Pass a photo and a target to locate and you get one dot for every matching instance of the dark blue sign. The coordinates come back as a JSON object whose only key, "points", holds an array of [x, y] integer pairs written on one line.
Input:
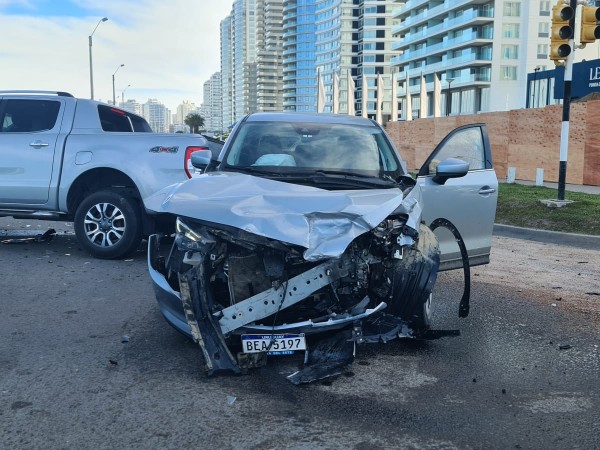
{"points": [[586, 79]]}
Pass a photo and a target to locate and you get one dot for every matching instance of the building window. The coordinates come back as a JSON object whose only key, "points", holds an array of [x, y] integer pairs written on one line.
{"points": [[544, 7], [510, 30], [542, 51], [544, 29], [510, 52], [508, 73], [512, 9]]}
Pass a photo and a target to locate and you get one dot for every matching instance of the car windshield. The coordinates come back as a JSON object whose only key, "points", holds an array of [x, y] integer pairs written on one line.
{"points": [[289, 148]]}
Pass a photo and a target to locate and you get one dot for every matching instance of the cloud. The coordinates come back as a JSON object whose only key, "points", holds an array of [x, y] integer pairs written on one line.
{"points": [[169, 48]]}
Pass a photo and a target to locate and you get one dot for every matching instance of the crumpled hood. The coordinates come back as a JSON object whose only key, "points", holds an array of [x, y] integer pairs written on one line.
{"points": [[322, 221]]}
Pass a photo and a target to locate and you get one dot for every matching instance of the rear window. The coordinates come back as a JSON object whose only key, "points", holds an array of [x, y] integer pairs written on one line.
{"points": [[117, 120]]}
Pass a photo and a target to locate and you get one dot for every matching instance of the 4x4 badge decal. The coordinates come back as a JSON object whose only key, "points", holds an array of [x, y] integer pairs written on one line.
{"points": [[160, 149]]}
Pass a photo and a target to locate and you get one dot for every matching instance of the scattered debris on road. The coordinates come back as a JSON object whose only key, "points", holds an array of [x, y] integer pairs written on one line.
{"points": [[26, 236]]}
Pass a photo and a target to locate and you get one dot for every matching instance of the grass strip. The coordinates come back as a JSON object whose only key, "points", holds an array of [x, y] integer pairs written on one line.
{"points": [[520, 205]]}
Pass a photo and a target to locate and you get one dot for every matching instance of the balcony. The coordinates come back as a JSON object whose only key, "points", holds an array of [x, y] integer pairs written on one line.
{"points": [[426, 15], [442, 47], [471, 17], [470, 60]]}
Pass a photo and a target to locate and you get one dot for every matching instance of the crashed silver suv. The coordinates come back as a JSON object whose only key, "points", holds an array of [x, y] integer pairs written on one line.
{"points": [[308, 234]]}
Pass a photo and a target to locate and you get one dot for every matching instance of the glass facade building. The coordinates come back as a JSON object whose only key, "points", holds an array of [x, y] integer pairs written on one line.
{"points": [[299, 76]]}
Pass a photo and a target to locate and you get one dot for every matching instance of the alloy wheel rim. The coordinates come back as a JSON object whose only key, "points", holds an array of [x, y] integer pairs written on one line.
{"points": [[104, 224]]}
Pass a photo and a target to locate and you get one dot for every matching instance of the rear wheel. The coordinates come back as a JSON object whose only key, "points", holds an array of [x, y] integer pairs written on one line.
{"points": [[413, 280], [108, 224]]}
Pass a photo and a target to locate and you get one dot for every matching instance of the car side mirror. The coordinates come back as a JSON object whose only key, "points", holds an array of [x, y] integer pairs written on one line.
{"points": [[450, 168], [201, 159]]}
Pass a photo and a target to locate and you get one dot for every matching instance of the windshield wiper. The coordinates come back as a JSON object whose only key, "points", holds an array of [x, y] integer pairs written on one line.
{"points": [[339, 178], [320, 176], [254, 170]]}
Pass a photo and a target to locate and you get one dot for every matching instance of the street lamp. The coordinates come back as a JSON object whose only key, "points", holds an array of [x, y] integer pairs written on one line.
{"points": [[104, 19], [123, 94], [113, 79], [448, 98]]}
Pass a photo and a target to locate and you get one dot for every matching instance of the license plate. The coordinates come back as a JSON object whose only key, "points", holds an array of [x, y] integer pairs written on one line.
{"points": [[279, 344]]}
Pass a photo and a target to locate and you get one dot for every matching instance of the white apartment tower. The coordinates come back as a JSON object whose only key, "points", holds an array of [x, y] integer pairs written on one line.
{"points": [[243, 49], [132, 106], [481, 50], [269, 84], [183, 109], [157, 115], [213, 104], [227, 117]]}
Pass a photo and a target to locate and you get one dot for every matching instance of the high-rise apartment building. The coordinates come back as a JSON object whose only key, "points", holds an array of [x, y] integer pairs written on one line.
{"points": [[481, 50], [299, 73], [243, 40], [374, 51], [157, 115], [183, 109], [227, 117], [333, 36], [269, 85], [132, 106], [327, 37], [213, 104]]}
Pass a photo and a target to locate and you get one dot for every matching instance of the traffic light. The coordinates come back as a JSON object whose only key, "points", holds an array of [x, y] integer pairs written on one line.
{"points": [[590, 31], [562, 31]]}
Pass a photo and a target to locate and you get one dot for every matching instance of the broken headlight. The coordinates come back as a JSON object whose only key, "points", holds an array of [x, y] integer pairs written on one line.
{"points": [[189, 238]]}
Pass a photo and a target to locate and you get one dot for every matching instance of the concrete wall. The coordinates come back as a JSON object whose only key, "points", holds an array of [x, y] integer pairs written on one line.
{"points": [[525, 139]]}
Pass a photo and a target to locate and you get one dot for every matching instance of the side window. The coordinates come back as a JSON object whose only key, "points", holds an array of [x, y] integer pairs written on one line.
{"points": [[28, 116], [465, 144]]}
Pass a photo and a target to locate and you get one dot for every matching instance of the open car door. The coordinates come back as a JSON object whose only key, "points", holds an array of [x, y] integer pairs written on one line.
{"points": [[464, 197]]}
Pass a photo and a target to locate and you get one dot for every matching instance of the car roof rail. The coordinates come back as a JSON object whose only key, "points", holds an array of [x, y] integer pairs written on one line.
{"points": [[25, 91]]}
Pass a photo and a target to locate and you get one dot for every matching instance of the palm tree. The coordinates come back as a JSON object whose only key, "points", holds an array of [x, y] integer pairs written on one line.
{"points": [[195, 121]]}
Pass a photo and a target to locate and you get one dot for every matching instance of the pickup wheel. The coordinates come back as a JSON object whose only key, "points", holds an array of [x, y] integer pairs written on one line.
{"points": [[108, 224]]}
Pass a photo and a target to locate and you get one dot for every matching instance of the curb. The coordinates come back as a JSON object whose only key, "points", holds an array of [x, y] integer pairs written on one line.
{"points": [[551, 237]]}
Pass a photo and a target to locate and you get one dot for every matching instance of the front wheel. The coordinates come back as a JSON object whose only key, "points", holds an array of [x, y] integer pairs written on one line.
{"points": [[108, 224], [413, 279]]}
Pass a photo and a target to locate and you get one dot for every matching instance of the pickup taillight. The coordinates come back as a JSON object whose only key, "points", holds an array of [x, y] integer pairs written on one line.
{"points": [[187, 163]]}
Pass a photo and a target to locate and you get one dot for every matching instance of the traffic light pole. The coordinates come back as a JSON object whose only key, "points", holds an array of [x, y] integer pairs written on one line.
{"points": [[564, 129]]}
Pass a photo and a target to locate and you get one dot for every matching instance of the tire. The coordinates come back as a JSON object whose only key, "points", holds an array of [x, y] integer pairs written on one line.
{"points": [[413, 279], [108, 224]]}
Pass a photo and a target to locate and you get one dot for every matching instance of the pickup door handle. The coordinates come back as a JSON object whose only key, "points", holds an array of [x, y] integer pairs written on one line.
{"points": [[486, 190], [38, 144]]}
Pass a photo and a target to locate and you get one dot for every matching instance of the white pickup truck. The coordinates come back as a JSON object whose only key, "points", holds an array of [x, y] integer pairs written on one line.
{"points": [[69, 159]]}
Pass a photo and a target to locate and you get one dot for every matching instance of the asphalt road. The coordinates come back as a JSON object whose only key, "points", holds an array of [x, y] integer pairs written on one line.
{"points": [[67, 379]]}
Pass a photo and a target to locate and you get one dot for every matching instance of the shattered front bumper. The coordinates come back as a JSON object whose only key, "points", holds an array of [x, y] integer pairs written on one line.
{"points": [[216, 333], [169, 300], [171, 305], [187, 312]]}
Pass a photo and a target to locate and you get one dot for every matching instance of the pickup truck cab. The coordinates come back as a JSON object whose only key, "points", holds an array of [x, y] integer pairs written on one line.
{"points": [[79, 160]]}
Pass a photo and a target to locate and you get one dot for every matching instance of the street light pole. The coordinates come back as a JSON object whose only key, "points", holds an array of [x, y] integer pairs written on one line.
{"points": [[104, 19], [123, 94], [448, 98], [113, 80]]}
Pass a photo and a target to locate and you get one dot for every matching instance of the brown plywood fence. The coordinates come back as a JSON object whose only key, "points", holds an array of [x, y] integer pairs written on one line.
{"points": [[525, 139]]}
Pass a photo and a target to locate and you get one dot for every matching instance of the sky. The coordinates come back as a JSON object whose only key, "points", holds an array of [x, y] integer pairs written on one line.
{"points": [[169, 48]]}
